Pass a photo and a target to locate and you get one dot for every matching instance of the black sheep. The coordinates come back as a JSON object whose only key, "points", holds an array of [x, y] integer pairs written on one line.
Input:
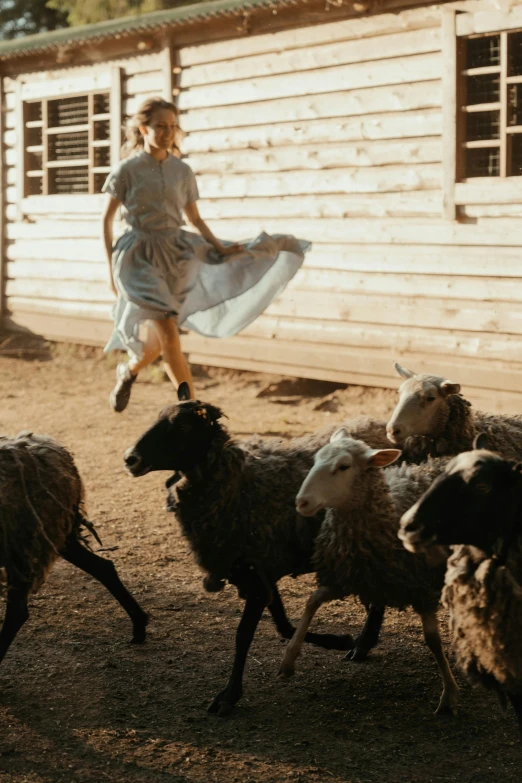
{"points": [[42, 518], [476, 507], [235, 505]]}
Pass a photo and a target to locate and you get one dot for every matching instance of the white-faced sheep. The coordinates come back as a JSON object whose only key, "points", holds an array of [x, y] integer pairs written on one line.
{"points": [[433, 419], [357, 551], [235, 505], [476, 507], [42, 518]]}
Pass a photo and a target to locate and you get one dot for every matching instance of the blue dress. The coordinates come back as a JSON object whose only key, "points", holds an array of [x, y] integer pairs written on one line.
{"points": [[162, 271]]}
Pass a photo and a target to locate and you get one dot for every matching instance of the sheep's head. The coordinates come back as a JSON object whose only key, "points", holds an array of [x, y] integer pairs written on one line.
{"points": [[476, 500], [330, 482], [179, 440], [423, 406]]}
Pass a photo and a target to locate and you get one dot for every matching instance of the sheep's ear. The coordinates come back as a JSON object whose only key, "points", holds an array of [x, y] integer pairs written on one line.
{"points": [[339, 435], [481, 441], [379, 458], [212, 412], [183, 391], [448, 387], [403, 372]]}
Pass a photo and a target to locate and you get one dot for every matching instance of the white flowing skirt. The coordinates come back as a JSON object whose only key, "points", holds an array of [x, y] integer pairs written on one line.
{"points": [[178, 274]]}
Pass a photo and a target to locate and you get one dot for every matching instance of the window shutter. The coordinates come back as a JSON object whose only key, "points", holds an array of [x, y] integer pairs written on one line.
{"points": [[70, 141]]}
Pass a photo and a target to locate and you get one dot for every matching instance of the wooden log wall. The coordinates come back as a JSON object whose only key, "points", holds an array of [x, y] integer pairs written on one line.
{"points": [[56, 274], [333, 133]]}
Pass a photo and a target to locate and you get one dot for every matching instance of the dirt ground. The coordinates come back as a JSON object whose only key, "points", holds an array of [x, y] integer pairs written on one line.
{"points": [[78, 703]]}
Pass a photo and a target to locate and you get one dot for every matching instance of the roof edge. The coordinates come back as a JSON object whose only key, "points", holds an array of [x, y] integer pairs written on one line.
{"points": [[174, 17]]}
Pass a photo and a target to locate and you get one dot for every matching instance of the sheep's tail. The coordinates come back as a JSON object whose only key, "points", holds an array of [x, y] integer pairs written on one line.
{"points": [[86, 524]]}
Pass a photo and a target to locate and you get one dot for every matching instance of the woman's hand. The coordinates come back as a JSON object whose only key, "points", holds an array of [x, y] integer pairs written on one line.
{"points": [[230, 249], [113, 287]]}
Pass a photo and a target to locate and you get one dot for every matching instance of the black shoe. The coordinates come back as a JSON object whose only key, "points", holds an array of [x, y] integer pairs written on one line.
{"points": [[120, 395]]}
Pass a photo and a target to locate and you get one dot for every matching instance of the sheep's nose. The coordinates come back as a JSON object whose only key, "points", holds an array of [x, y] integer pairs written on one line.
{"points": [[408, 520], [394, 433], [302, 504], [132, 460], [411, 533]]}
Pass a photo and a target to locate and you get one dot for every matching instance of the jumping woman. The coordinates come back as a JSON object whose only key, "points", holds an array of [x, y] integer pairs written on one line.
{"points": [[164, 276]]}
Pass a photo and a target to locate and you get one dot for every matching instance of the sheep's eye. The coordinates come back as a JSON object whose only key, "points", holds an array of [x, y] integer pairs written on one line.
{"points": [[344, 467], [482, 489], [430, 399]]}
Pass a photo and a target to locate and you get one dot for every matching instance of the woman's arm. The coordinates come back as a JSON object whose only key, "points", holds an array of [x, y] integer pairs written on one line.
{"points": [[109, 211], [195, 219]]}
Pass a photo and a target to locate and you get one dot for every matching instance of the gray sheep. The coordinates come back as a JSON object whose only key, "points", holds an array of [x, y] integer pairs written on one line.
{"points": [[357, 551], [433, 419], [235, 505], [366, 428], [475, 506], [42, 518]]}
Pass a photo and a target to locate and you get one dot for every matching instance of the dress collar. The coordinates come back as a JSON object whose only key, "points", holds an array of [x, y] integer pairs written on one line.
{"points": [[159, 162]]}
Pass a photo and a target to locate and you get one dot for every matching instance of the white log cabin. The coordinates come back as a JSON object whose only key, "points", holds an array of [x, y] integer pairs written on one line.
{"points": [[388, 133]]}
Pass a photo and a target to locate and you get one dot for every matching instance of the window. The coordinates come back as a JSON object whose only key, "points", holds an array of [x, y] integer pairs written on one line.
{"points": [[67, 144], [490, 98]]}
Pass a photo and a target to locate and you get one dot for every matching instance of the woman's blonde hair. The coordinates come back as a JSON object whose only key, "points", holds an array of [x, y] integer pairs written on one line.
{"points": [[143, 116]]}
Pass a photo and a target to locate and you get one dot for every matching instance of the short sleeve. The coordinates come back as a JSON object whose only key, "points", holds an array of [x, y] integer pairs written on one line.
{"points": [[115, 184], [191, 187]]}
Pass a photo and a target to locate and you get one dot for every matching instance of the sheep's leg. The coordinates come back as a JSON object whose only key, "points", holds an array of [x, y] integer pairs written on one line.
{"points": [[449, 699], [16, 614], [279, 616], [104, 571], [328, 641], [257, 598], [316, 600], [369, 635], [516, 703]]}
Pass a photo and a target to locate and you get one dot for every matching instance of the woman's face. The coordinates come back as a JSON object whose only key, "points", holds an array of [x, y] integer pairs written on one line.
{"points": [[161, 132]]}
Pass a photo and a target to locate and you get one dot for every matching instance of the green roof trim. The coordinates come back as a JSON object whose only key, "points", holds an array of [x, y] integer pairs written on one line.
{"points": [[174, 17]]}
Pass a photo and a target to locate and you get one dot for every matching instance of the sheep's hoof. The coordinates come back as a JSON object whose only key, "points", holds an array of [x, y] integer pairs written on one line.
{"points": [[224, 710], [286, 670], [447, 709], [212, 584], [140, 630], [356, 655], [222, 704]]}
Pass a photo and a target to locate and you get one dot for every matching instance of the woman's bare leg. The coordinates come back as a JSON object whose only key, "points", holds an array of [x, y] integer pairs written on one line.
{"points": [[176, 365], [151, 350], [126, 372]]}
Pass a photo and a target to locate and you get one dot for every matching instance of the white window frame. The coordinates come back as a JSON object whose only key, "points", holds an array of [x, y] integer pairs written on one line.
{"points": [[476, 190], [106, 80]]}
